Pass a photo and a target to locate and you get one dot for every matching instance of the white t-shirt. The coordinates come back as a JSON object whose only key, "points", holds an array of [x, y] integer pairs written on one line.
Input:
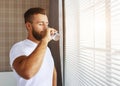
{"points": [[45, 73]]}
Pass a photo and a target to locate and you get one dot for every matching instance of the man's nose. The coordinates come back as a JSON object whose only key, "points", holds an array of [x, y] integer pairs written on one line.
{"points": [[45, 26]]}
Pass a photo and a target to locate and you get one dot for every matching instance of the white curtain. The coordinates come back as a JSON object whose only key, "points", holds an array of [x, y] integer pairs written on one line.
{"points": [[92, 43]]}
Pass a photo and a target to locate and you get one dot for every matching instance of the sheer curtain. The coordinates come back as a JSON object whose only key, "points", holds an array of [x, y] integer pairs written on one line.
{"points": [[92, 43]]}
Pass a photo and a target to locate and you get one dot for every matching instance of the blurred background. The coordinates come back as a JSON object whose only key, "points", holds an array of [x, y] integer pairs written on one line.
{"points": [[12, 30]]}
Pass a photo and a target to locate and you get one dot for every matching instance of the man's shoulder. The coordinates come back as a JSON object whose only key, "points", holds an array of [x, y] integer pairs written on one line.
{"points": [[18, 44]]}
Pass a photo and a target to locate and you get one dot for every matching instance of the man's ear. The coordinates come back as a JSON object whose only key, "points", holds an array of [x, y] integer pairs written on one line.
{"points": [[28, 26]]}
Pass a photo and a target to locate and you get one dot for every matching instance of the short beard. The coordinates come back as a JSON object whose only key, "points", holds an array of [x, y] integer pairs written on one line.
{"points": [[36, 35]]}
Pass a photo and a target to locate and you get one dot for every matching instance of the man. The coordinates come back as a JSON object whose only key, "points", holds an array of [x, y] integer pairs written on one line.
{"points": [[31, 59]]}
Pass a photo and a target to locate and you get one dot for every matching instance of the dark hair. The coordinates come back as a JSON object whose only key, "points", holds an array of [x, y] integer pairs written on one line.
{"points": [[28, 15]]}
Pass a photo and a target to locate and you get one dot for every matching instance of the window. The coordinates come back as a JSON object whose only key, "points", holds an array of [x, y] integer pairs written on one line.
{"points": [[92, 43]]}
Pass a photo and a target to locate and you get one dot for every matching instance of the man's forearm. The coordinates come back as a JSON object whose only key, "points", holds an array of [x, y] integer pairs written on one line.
{"points": [[28, 66]]}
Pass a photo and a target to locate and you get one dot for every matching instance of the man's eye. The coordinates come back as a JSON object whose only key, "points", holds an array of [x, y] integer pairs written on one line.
{"points": [[40, 23]]}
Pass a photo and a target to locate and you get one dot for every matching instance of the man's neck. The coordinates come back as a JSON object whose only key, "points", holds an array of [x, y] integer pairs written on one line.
{"points": [[34, 40]]}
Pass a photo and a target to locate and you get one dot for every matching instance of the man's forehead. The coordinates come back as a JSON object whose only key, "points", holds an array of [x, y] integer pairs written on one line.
{"points": [[40, 18]]}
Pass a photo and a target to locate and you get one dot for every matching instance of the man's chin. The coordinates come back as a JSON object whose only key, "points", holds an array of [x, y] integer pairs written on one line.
{"points": [[38, 38]]}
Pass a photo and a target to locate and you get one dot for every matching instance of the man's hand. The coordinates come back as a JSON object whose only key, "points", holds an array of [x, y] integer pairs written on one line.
{"points": [[49, 32]]}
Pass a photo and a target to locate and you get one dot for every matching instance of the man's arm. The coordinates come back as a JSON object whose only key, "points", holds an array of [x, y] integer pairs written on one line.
{"points": [[54, 77], [28, 66]]}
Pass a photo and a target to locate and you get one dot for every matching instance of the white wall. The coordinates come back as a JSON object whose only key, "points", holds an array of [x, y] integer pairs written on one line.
{"points": [[7, 79]]}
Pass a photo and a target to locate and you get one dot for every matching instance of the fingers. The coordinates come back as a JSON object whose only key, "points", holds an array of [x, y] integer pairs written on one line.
{"points": [[52, 31]]}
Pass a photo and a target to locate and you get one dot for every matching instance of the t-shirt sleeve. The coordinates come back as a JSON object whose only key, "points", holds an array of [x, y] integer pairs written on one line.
{"points": [[15, 52]]}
